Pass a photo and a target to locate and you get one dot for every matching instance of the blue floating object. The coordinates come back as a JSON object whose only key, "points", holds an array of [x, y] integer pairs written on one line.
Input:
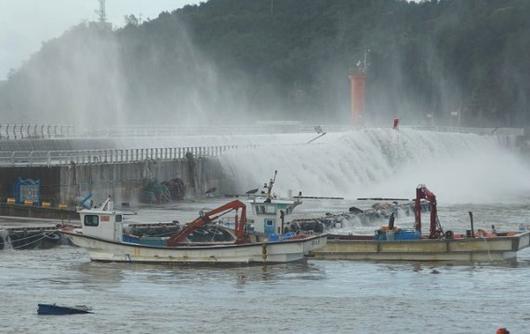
{"points": [[54, 309], [288, 235]]}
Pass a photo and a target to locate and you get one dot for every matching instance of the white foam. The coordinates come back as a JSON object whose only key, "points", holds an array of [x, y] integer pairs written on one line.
{"points": [[459, 168]]}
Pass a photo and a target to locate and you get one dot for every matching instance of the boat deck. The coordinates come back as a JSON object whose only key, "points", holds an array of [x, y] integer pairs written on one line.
{"points": [[498, 248]]}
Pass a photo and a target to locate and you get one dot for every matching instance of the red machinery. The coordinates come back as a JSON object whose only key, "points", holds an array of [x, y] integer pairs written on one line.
{"points": [[210, 216], [422, 192]]}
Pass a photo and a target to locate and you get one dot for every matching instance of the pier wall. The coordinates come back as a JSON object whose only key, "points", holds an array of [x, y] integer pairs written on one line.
{"points": [[123, 181]]}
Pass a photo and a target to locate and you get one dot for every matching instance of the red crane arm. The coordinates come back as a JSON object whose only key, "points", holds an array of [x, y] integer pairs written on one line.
{"points": [[209, 217], [423, 193]]}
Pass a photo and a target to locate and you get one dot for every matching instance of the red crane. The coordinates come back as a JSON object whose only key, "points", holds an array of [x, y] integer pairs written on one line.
{"points": [[210, 216], [435, 230]]}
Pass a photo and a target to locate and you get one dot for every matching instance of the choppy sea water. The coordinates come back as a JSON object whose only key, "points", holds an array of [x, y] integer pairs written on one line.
{"points": [[310, 297]]}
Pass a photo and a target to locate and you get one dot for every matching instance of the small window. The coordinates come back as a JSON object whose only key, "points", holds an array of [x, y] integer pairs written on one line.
{"points": [[270, 209], [118, 219], [91, 220]]}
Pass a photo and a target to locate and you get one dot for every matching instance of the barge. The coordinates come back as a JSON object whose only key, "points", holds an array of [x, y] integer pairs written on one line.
{"points": [[478, 249], [390, 243]]}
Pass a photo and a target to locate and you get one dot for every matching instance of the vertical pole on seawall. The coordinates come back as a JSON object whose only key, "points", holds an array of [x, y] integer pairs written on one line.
{"points": [[471, 221]]}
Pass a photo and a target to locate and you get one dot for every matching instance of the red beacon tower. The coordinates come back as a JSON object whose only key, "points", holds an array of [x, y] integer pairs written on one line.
{"points": [[357, 88]]}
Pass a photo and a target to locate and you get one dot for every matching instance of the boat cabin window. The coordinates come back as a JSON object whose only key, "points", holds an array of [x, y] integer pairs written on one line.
{"points": [[118, 219], [265, 209], [270, 209], [91, 220]]}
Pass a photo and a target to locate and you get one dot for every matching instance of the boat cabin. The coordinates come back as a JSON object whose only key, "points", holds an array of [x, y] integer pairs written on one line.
{"points": [[266, 215], [103, 222], [268, 212]]}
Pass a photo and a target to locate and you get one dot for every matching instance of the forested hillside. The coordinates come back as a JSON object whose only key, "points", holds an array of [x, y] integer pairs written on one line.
{"points": [[232, 60]]}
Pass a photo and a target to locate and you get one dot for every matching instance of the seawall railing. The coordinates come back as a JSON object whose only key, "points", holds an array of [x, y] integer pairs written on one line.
{"points": [[60, 131], [109, 156], [10, 131]]}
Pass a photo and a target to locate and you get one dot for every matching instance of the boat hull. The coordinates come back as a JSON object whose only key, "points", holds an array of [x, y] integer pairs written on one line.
{"points": [[460, 250], [266, 252], [52, 309]]}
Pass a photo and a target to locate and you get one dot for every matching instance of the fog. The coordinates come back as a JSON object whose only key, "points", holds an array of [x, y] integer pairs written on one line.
{"points": [[26, 24], [93, 75], [186, 70]]}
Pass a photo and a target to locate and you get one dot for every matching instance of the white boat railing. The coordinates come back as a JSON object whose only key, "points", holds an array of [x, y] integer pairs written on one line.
{"points": [[109, 156]]}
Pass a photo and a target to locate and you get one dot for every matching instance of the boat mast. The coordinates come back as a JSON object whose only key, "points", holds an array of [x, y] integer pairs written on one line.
{"points": [[269, 187]]}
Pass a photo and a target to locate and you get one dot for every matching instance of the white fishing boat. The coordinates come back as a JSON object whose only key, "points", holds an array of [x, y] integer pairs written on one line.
{"points": [[101, 234]]}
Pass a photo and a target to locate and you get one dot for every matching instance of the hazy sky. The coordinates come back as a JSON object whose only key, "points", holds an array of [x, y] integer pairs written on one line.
{"points": [[25, 24]]}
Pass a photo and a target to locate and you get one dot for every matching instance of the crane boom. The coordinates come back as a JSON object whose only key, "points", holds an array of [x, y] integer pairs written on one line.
{"points": [[435, 230], [210, 216]]}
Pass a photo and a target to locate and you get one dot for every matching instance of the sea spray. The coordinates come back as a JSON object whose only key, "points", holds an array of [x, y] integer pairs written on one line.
{"points": [[459, 168], [5, 239]]}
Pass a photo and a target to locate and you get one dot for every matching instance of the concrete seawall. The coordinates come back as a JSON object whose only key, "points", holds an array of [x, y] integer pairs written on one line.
{"points": [[123, 181]]}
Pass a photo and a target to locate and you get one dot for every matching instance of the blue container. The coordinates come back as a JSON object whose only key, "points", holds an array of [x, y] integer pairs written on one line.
{"points": [[399, 235], [27, 190], [407, 235]]}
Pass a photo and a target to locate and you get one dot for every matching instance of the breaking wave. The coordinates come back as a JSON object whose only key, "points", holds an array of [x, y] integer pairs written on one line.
{"points": [[459, 168]]}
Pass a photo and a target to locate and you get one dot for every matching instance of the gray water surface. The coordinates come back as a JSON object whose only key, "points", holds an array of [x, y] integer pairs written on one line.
{"points": [[310, 297]]}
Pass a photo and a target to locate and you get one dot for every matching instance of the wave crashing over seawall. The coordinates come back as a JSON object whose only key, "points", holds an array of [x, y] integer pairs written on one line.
{"points": [[459, 168]]}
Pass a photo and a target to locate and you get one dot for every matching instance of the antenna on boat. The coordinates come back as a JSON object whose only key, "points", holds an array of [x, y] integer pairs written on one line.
{"points": [[269, 187], [108, 205]]}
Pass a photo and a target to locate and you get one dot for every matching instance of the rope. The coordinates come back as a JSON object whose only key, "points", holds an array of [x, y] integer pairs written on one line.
{"points": [[44, 236], [215, 230], [29, 243], [28, 237]]}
